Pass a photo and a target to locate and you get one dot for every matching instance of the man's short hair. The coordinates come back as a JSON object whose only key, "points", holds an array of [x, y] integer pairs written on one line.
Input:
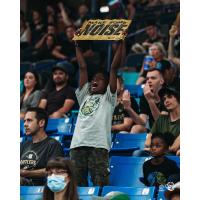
{"points": [[40, 114], [167, 138], [102, 71]]}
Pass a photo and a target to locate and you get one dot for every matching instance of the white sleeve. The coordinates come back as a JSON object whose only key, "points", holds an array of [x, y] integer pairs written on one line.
{"points": [[81, 93], [111, 97]]}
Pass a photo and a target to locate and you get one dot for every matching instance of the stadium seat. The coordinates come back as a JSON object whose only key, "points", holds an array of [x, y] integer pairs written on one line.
{"points": [[31, 192], [126, 144], [135, 90], [24, 67], [161, 193], [129, 77], [59, 126], [22, 132], [176, 159], [134, 193], [126, 171], [86, 193], [44, 65]]}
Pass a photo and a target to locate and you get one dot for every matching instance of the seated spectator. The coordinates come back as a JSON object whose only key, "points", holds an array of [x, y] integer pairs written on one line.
{"points": [[121, 121], [25, 34], [174, 42], [37, 26], [155, 59], [46, 50], [152, 35], [166, 123], [160, 170], [35, 153], [151, 106], [60, 99], [61, 180], [31, 93], [83, 14], [66, 49]]}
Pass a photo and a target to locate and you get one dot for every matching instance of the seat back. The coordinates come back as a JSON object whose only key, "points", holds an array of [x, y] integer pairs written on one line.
{"points": [[126, 171], [86, 193], [60, 125], [127, 143], [135, 90], [31, 192], [24, 67], [129, 77], [134, 193], [176, 159], [44, 65]]}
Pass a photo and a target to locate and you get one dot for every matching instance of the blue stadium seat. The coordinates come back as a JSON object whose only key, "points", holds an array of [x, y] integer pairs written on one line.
{"points": [[161, 193], [125, 144], [135, 90], [31, 192], [129, 77], [35, 192], [44, 65], [22, 132], [59, 126], [176, 159], [126, 171], [134, 193], [86, 193]]}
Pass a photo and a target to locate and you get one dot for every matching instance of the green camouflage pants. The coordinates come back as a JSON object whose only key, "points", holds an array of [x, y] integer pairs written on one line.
{"points": [[92, 160]]}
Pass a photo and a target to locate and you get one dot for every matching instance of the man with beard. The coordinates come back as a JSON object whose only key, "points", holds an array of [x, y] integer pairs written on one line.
{"points": [[61, 98], [35, 153]]}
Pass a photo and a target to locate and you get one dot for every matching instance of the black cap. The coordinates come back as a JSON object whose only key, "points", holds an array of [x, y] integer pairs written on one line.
{"points": [[170, 90], [64, 66]]}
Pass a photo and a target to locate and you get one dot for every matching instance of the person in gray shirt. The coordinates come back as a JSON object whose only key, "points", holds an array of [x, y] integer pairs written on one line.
{"points": [[31, 93], [91, 140]]}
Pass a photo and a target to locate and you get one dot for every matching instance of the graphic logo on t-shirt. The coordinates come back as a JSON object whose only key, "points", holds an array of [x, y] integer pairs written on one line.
{"points": [[90, 106], [29, 160], [156, 177]]}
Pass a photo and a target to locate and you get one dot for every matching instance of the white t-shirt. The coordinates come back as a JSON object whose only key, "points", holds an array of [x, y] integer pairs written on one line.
{"points": [[93, 126]]}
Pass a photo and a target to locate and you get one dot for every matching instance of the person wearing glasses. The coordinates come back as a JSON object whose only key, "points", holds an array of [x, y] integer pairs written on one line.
{"points": [[61, 184]]}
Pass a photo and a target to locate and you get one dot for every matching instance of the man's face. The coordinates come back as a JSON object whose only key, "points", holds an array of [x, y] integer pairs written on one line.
{"points": [[151, 31], [31, 124], [59, 77], [70, 32], [98, 84], [170, 102], [50, 41], [155, 80], [51, 30]]}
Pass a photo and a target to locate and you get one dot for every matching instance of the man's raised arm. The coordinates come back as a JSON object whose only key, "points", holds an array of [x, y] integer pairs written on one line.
{"points": [[114, 66], [82, 66]]}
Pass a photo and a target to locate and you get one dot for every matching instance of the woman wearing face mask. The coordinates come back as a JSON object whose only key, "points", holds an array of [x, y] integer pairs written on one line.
{"points": [[61, 184]]}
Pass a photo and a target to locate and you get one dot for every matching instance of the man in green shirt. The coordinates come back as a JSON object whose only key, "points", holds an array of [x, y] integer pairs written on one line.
{"points": [[170, 123], [166, 124]]}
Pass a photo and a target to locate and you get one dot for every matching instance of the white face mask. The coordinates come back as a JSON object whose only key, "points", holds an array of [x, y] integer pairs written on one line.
{"points": [[56, 183]]}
